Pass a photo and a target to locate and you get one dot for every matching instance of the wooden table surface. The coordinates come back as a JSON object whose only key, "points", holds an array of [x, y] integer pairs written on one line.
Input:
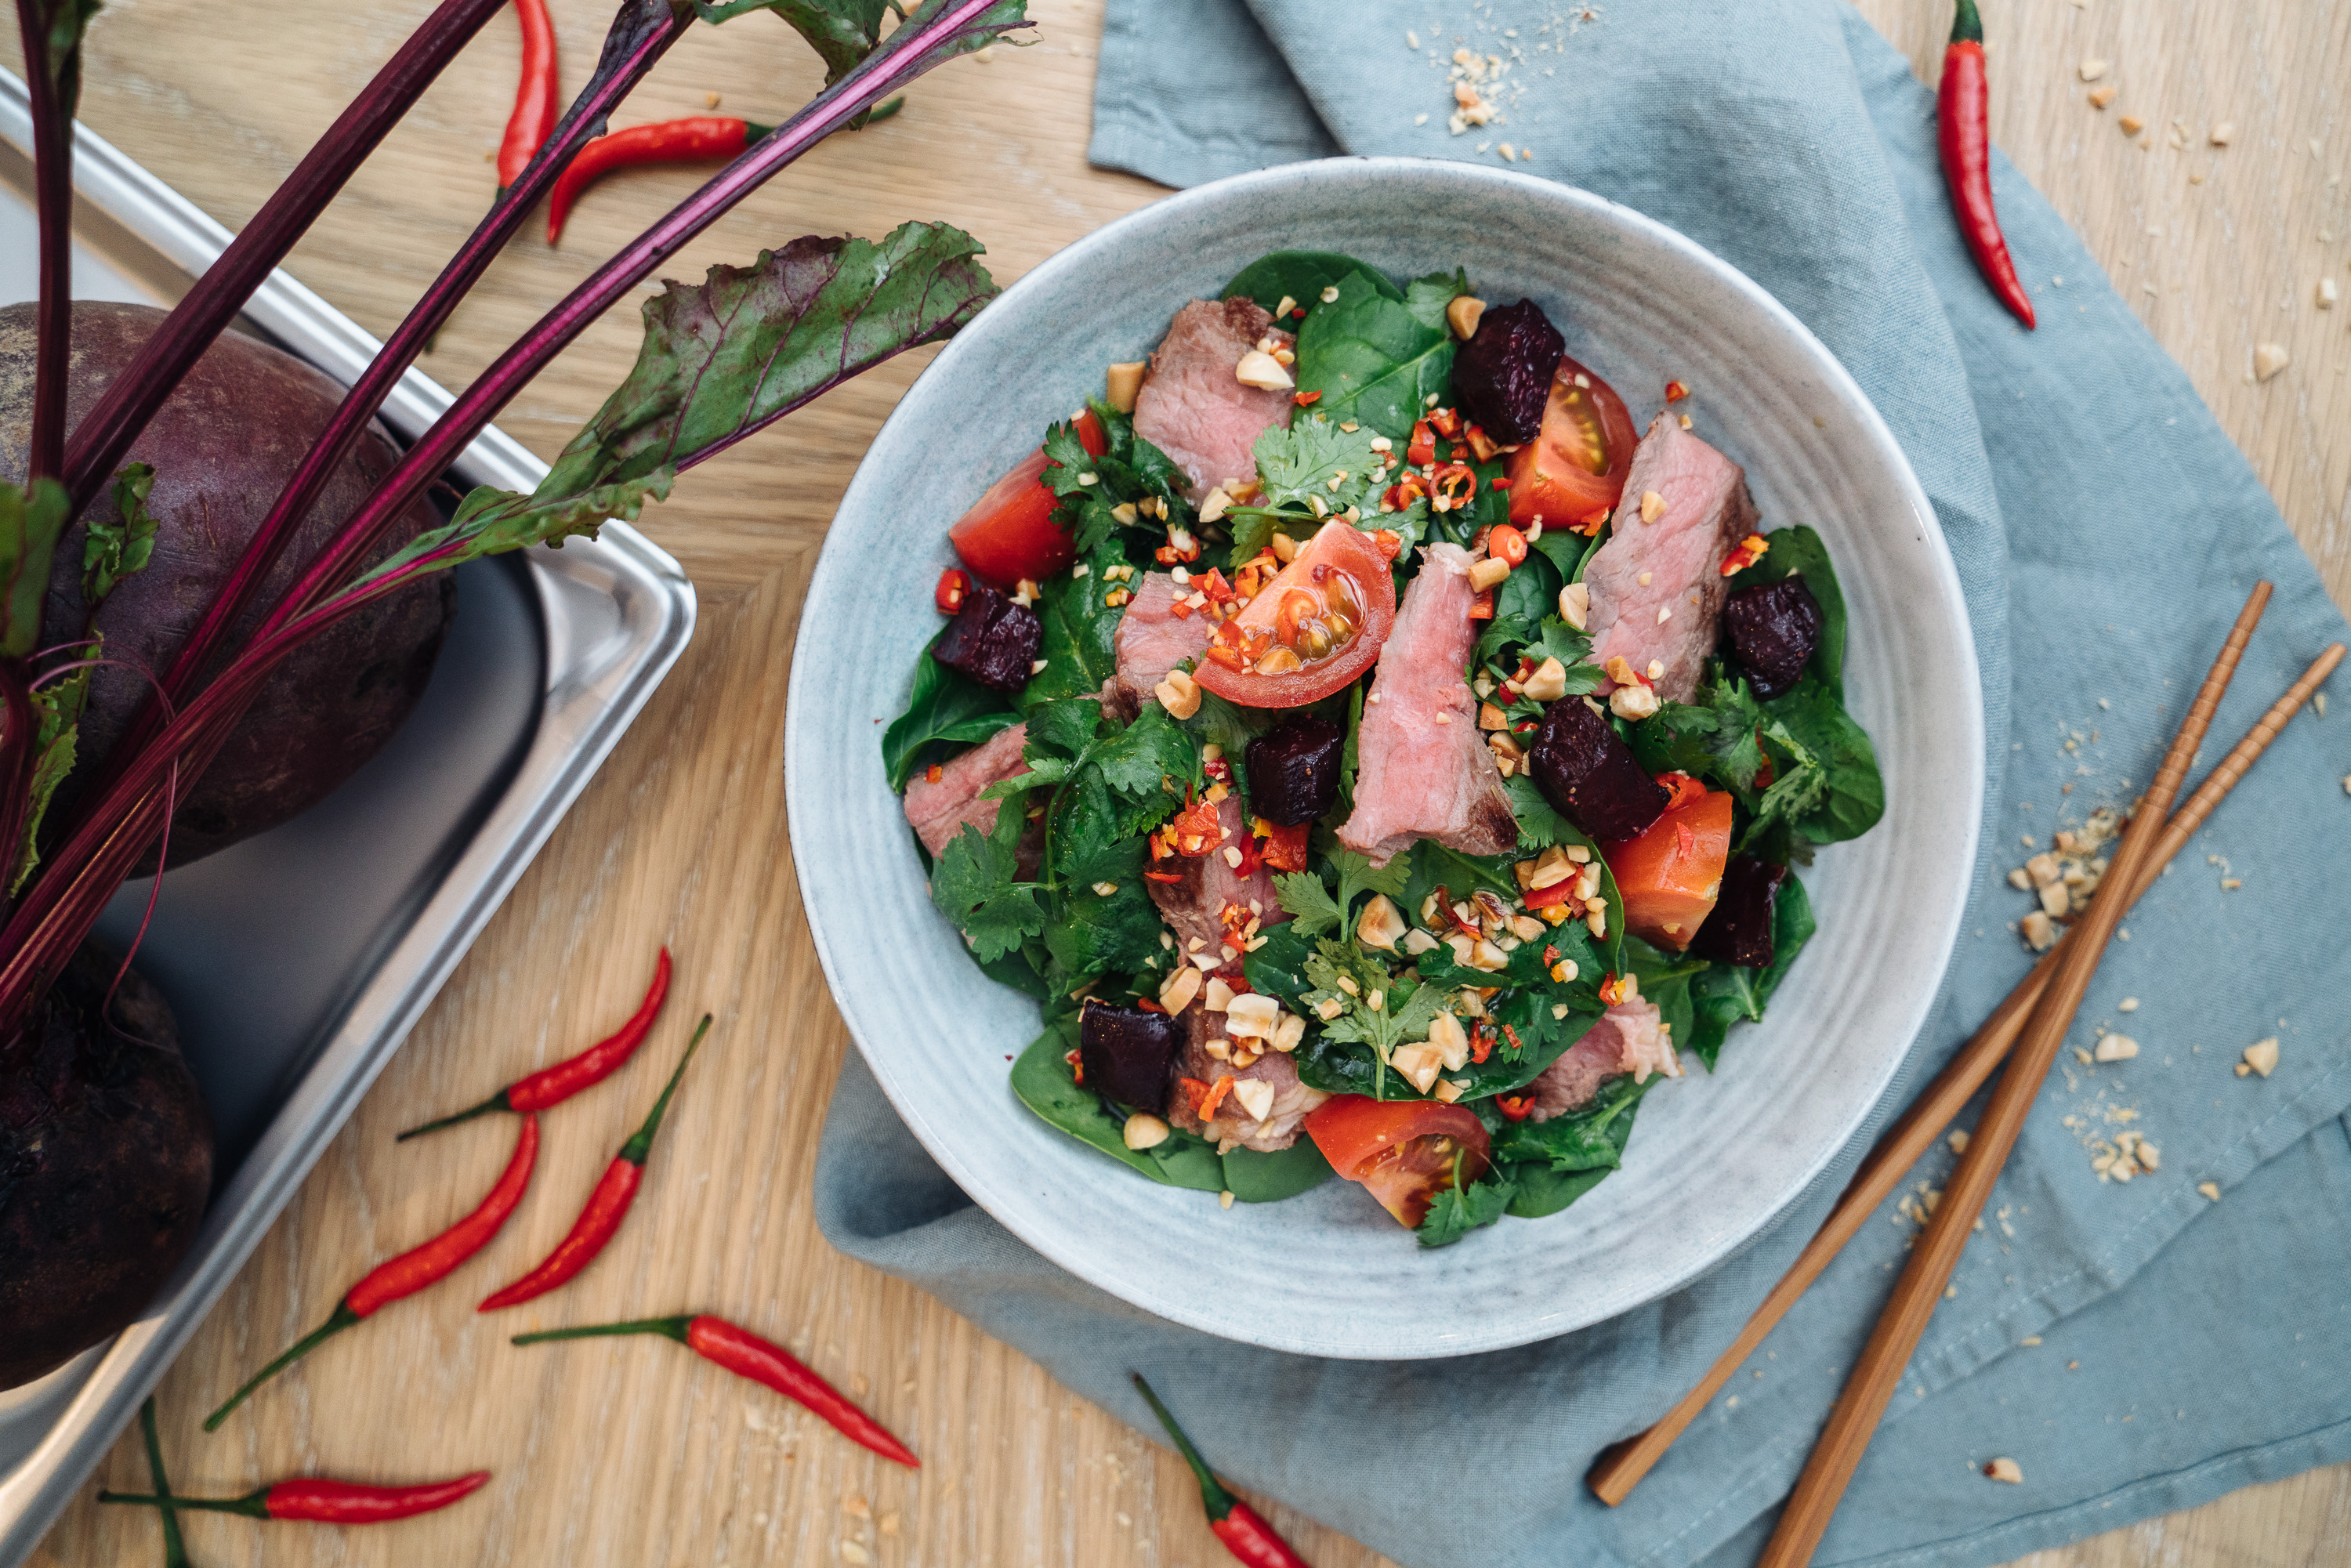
{"points": [[630, 1452]]}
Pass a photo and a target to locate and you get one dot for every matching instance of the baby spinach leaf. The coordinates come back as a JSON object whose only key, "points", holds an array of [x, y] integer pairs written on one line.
{"points": [[1590, 1137], [1544, 1191], [1255, 1177], [1042, 1081], [1373, 360], [1433, 865], [1080, 646], [1852, 795], [1301, 276], [1278, 966], [1426, 297], [944, 708]]}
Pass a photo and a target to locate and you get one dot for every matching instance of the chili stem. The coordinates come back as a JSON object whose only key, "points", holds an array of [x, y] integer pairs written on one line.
{"points": [[497, 1101], [175, 1549], [641, 1146], [668, 1328], [341, 1318], [253, 1505], [1213, 1495]]}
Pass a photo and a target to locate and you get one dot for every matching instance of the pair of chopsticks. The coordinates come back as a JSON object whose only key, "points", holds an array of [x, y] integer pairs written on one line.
{"points": [[2031, 1024]]}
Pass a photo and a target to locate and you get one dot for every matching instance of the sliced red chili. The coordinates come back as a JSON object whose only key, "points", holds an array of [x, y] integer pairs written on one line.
{"points": [[955, 587]]}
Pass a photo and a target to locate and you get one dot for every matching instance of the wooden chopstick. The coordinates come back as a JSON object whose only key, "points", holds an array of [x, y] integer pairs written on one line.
{"points": [[1621, 1467], [1852, 1421]]}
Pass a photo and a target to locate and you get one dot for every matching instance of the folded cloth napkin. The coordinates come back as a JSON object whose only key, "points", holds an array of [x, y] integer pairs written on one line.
{"points": [[2134, 1347]]}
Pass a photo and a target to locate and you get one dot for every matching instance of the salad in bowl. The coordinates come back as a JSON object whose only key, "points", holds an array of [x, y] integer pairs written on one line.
{"points": [[1377, 753]]}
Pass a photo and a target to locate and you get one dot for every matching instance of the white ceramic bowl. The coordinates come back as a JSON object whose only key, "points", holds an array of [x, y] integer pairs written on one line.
{"points": [[1713, 1157]]}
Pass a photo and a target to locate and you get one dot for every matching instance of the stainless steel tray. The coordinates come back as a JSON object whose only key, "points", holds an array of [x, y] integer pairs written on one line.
{"points": [[298, 961]]}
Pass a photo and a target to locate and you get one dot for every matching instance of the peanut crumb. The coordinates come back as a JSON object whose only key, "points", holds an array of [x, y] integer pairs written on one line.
{"points": [[2210, 1189], [2102, 96], [2132, 124], [2004, 1469]]}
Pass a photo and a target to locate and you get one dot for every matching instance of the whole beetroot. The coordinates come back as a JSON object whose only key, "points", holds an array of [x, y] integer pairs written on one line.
{"points": [[106, 1161], [221, 448]]}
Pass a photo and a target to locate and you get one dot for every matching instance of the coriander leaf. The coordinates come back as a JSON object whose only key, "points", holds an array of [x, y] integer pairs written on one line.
{"points": [[1555, 639], [1301, 276], [1138, 758], [1061, 727], [1358, 876], [30, 525], [975, 886], [945, 707], [1311, 910], [1044, 771], [1540, 822], [1225, 723], [748, 345], [116, 547], [1454, 1212], [1426, 297], [1314, 457], [1373, 360], [1095, 933]]}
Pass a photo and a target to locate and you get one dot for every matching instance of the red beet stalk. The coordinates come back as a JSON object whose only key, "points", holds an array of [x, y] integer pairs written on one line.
{"points": [[607, 1206], [323, 1501], [553, 1085], [746, 1355], [411, 1272], [1241, 1528], [1963, 129]]}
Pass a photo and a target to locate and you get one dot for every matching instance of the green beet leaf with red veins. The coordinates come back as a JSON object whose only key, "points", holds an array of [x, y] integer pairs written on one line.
{"points": [[801, 319]]}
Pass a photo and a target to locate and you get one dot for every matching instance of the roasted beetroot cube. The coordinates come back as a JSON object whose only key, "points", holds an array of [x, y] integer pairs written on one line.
{"points": [[1128, 1054], [1773, 628], [1293, 769], [992, 639], [1739, 930], [1583, 767], [1502, 374]]}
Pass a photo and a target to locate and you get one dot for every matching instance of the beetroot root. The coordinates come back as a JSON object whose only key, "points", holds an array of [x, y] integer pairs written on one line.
{"points": [[221, 448]]}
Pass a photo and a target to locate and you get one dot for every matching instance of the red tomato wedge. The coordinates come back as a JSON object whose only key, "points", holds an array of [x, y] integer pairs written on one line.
{"points": [[1402, 1151], [1575, 465], [1009, 533], [1316, 626], [1671, 873]]}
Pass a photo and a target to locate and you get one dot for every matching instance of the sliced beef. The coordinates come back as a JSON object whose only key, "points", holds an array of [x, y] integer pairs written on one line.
{"points": [[1191, 406], [1152, 640], [1629, 1038], [939, 812], [1705, 511], [1422, 768], [1232, 1125], [1193, 904]]}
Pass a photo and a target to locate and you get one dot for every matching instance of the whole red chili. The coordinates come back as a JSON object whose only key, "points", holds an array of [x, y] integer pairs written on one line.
{"points": [[322, 1500], [537, 105], [411, 1272], [1244, 1532], [607, 1206], [1963, 128], [553, 1085], [746, 1355], [689, 141]]}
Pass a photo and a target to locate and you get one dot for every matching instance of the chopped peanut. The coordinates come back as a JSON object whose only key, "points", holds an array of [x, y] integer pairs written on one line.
{"points": [[1575, 605], [1488, 573], [1180, 694], [1143, 1131], [1464, 314], [1261, 369]]}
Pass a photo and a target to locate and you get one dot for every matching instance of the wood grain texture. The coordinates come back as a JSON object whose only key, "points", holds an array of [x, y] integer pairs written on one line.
{"points": [[629, 1451]]}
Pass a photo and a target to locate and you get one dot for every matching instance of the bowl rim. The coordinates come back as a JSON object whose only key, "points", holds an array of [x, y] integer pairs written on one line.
{"points": [[833, 572]]}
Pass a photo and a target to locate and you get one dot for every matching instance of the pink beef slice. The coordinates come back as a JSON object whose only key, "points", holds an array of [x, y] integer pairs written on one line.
{"points": [[1193, 409], [1629, 1038], [1193, 904], [939, 812], [1232, 1126], [1152, 640], [1706, 512], [1423, 771]]}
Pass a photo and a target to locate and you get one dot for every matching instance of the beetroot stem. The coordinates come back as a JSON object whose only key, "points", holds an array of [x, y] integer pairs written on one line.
{"points": [[53, 138], [640, 35], [105, 434]]}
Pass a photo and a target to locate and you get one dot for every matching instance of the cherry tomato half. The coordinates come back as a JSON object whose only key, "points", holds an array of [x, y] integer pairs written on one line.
{"points": [[1575, 465], [1671, 873], [1009, 533], [1316, 626], [1402, 1151]]}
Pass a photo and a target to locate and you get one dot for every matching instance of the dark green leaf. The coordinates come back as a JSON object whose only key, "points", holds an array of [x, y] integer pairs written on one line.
{"points": [[748, 345], [1457, 1211], [30, 525], [1080, 643], [491, 522], [1255, 1177], [1137, 759], [1426, 297], [841, 32], [976, 884], [1312, 911], [944, 708], [1301, 276], [1727, 994], [1063, 727], [1591, 1137], [1042, 1081], [1853, 793], [1373, 360], [59, 709], [1542, 1191], [1799, 551], [116, 547]]}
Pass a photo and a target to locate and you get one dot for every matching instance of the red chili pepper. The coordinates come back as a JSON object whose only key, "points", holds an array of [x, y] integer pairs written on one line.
{"points": [[955, 587], [322, 1500], [1245, 1534], [412, 1270], [1303, 399], [746, 1355], [1422, 448], [1675, 392], [1454, 484], [553, 1085], [1515, 1106], [536, 104], [1446, 422], [607, 1206], [703, 136], [1963, 130]]}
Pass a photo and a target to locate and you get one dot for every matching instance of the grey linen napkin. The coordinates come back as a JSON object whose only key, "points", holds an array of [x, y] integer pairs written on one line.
{"points": [[2106, 531]]}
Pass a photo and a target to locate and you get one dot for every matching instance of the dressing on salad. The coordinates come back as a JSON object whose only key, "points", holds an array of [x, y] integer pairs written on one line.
{"points": [[1373, 756]]}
